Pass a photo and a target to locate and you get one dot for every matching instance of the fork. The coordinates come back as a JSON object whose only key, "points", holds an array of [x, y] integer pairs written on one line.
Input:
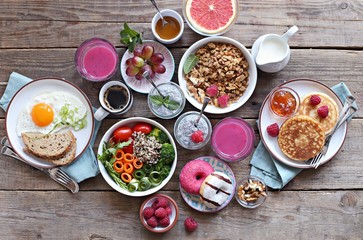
{"points": [[316, 161], [56, 173]]}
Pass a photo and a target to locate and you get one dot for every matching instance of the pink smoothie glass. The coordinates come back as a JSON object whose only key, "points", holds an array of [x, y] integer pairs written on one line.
{"points": [[96, 59], [233, 139]]}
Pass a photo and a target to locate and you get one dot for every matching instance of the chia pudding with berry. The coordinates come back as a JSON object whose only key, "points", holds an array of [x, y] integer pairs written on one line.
{"points": [[192, 135], [171, 105]]}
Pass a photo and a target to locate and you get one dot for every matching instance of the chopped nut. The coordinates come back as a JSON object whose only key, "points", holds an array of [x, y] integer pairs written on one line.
{"points": [[251, 190]]}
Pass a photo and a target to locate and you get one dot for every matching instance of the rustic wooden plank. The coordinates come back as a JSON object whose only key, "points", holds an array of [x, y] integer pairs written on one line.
{"points": [[49, 34], [110, 215], [344, 166], [333, 67]]}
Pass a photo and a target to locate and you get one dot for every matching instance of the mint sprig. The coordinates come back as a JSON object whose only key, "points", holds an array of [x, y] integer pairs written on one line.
{"points": [[190, 63], [167, 102], [130, 37]]}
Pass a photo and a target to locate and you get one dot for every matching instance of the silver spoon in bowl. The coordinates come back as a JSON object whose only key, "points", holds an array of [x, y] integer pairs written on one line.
{"points": [[163, 21], [146, 75], [205, 104]]}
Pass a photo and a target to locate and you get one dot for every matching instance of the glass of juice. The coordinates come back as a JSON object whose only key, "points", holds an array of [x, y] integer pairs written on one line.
{"points": [[96, 59], [233, 139]]}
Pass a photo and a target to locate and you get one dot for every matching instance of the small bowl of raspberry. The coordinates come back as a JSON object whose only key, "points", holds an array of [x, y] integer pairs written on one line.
{"points": [[159, 213]]}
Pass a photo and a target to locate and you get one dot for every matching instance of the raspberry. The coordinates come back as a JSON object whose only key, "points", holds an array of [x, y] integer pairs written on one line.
{"points": [[197, 136], [148, 212], [212, 90], [164, 222], [315, 100], [223, 100], [160, 213], [161, 202], [168, 210], [273, 130], [323, 111], [152, 222], [190, 224]]}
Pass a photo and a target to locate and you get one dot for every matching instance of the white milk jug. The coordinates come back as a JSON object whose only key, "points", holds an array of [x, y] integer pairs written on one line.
{"points": [[273, 53]]}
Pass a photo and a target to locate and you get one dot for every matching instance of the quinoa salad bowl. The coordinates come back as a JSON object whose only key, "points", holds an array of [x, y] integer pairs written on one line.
{"points": [[137, 156]]}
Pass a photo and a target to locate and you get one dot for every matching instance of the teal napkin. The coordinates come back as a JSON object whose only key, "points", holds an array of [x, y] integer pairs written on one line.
{"points": [[272, 171], [86, 166]]}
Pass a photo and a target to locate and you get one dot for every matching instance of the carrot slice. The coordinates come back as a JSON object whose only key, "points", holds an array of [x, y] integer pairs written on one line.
{"points": [[137, 163], [118, 166], [128, 157], [128, 168], [126, 177], [119, 155]]}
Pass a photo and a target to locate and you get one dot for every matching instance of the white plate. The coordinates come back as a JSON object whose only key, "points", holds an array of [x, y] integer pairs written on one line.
{"points": [[33, 89], [194, 200], [143, 86], [252, 80], [302, 87]]}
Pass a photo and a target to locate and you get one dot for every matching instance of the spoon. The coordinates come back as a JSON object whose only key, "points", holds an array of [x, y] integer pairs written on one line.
{"points": [[163, 21], [146, 75], [205, 103]]}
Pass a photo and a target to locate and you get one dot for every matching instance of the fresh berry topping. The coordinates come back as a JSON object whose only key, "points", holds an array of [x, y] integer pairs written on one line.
{"points": [[323, 111], [160, 213], [168, 210], [315, 100], [152, 222], [212, 90], [197, 136], [223, 100], [161, 202], [273, 130], [148, 212], [164, 222], [190, 224]]}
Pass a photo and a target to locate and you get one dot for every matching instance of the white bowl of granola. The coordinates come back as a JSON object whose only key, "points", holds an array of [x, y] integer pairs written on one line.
{"points": [[225, 71], [127, 169]]}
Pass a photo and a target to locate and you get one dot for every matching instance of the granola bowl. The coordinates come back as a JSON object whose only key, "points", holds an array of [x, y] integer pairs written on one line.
{"points": [[229, 89], [148, 177]]}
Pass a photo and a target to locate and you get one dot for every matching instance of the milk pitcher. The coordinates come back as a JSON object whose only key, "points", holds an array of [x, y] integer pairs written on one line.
{"points": [[273, 52]]}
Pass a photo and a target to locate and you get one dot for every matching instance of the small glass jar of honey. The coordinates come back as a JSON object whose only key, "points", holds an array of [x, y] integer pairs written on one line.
{"points": [[171, 31], [284, 102]]}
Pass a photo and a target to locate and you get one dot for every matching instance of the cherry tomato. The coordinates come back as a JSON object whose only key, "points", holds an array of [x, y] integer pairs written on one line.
{"points": [[122, 134], [129, 148], [143, 127]]}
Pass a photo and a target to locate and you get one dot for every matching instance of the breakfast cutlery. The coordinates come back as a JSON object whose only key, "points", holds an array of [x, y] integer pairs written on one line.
{"points": [[205, 104], [347, 111], [56, 173], [163, 21]]}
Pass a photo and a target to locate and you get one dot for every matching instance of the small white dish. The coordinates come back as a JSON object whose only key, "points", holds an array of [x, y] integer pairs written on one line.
{"points": [[252, 70], [143, 86], [167, 13], [303, 87], [33, 89]]}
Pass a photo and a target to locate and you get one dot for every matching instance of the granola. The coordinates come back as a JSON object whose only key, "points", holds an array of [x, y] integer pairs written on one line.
{"points": [[222, 65]]}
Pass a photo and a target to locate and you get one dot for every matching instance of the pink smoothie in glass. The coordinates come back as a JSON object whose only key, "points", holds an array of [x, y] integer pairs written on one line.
{"points": [[99, 62], [233, 139]]}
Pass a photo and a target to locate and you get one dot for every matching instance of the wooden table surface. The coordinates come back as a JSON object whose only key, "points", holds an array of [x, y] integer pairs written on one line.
{"points": [[39, 38]]}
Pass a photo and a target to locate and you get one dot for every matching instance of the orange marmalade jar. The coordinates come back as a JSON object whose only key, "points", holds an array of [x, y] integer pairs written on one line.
{"points": [[284, 102]]}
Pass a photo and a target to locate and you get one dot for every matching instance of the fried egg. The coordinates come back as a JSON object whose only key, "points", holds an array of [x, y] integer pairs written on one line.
{"points": [[45, 111]]}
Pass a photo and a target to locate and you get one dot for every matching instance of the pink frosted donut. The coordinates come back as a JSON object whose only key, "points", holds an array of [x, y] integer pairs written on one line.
{"points": [[193, 174]]}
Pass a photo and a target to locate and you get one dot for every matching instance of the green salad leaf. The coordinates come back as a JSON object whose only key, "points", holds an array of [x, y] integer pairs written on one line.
{"points": [[190, 63]]}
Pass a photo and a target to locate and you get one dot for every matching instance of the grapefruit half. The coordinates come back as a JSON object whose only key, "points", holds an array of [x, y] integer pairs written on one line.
{"points": [[211, 16]]}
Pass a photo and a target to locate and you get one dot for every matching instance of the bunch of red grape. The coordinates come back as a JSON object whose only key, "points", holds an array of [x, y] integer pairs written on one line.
{"points": [[145, 60]]}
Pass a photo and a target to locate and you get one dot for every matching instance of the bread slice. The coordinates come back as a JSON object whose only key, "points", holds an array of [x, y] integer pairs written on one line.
{"points": [[49, 146]]}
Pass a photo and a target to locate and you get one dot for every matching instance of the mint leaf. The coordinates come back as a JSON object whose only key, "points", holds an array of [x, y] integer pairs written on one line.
{"points": [[171, 104], [130, 37], [157, 100], [190, 63]]}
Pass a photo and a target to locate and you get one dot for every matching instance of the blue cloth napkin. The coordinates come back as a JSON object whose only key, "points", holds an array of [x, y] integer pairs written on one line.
{"points": [[86, 166], [276, 174]]}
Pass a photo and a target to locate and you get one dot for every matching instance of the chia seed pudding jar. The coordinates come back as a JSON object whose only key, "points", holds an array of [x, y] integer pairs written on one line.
{"points": [[174, 92], [184, 127], [233, 139]]}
